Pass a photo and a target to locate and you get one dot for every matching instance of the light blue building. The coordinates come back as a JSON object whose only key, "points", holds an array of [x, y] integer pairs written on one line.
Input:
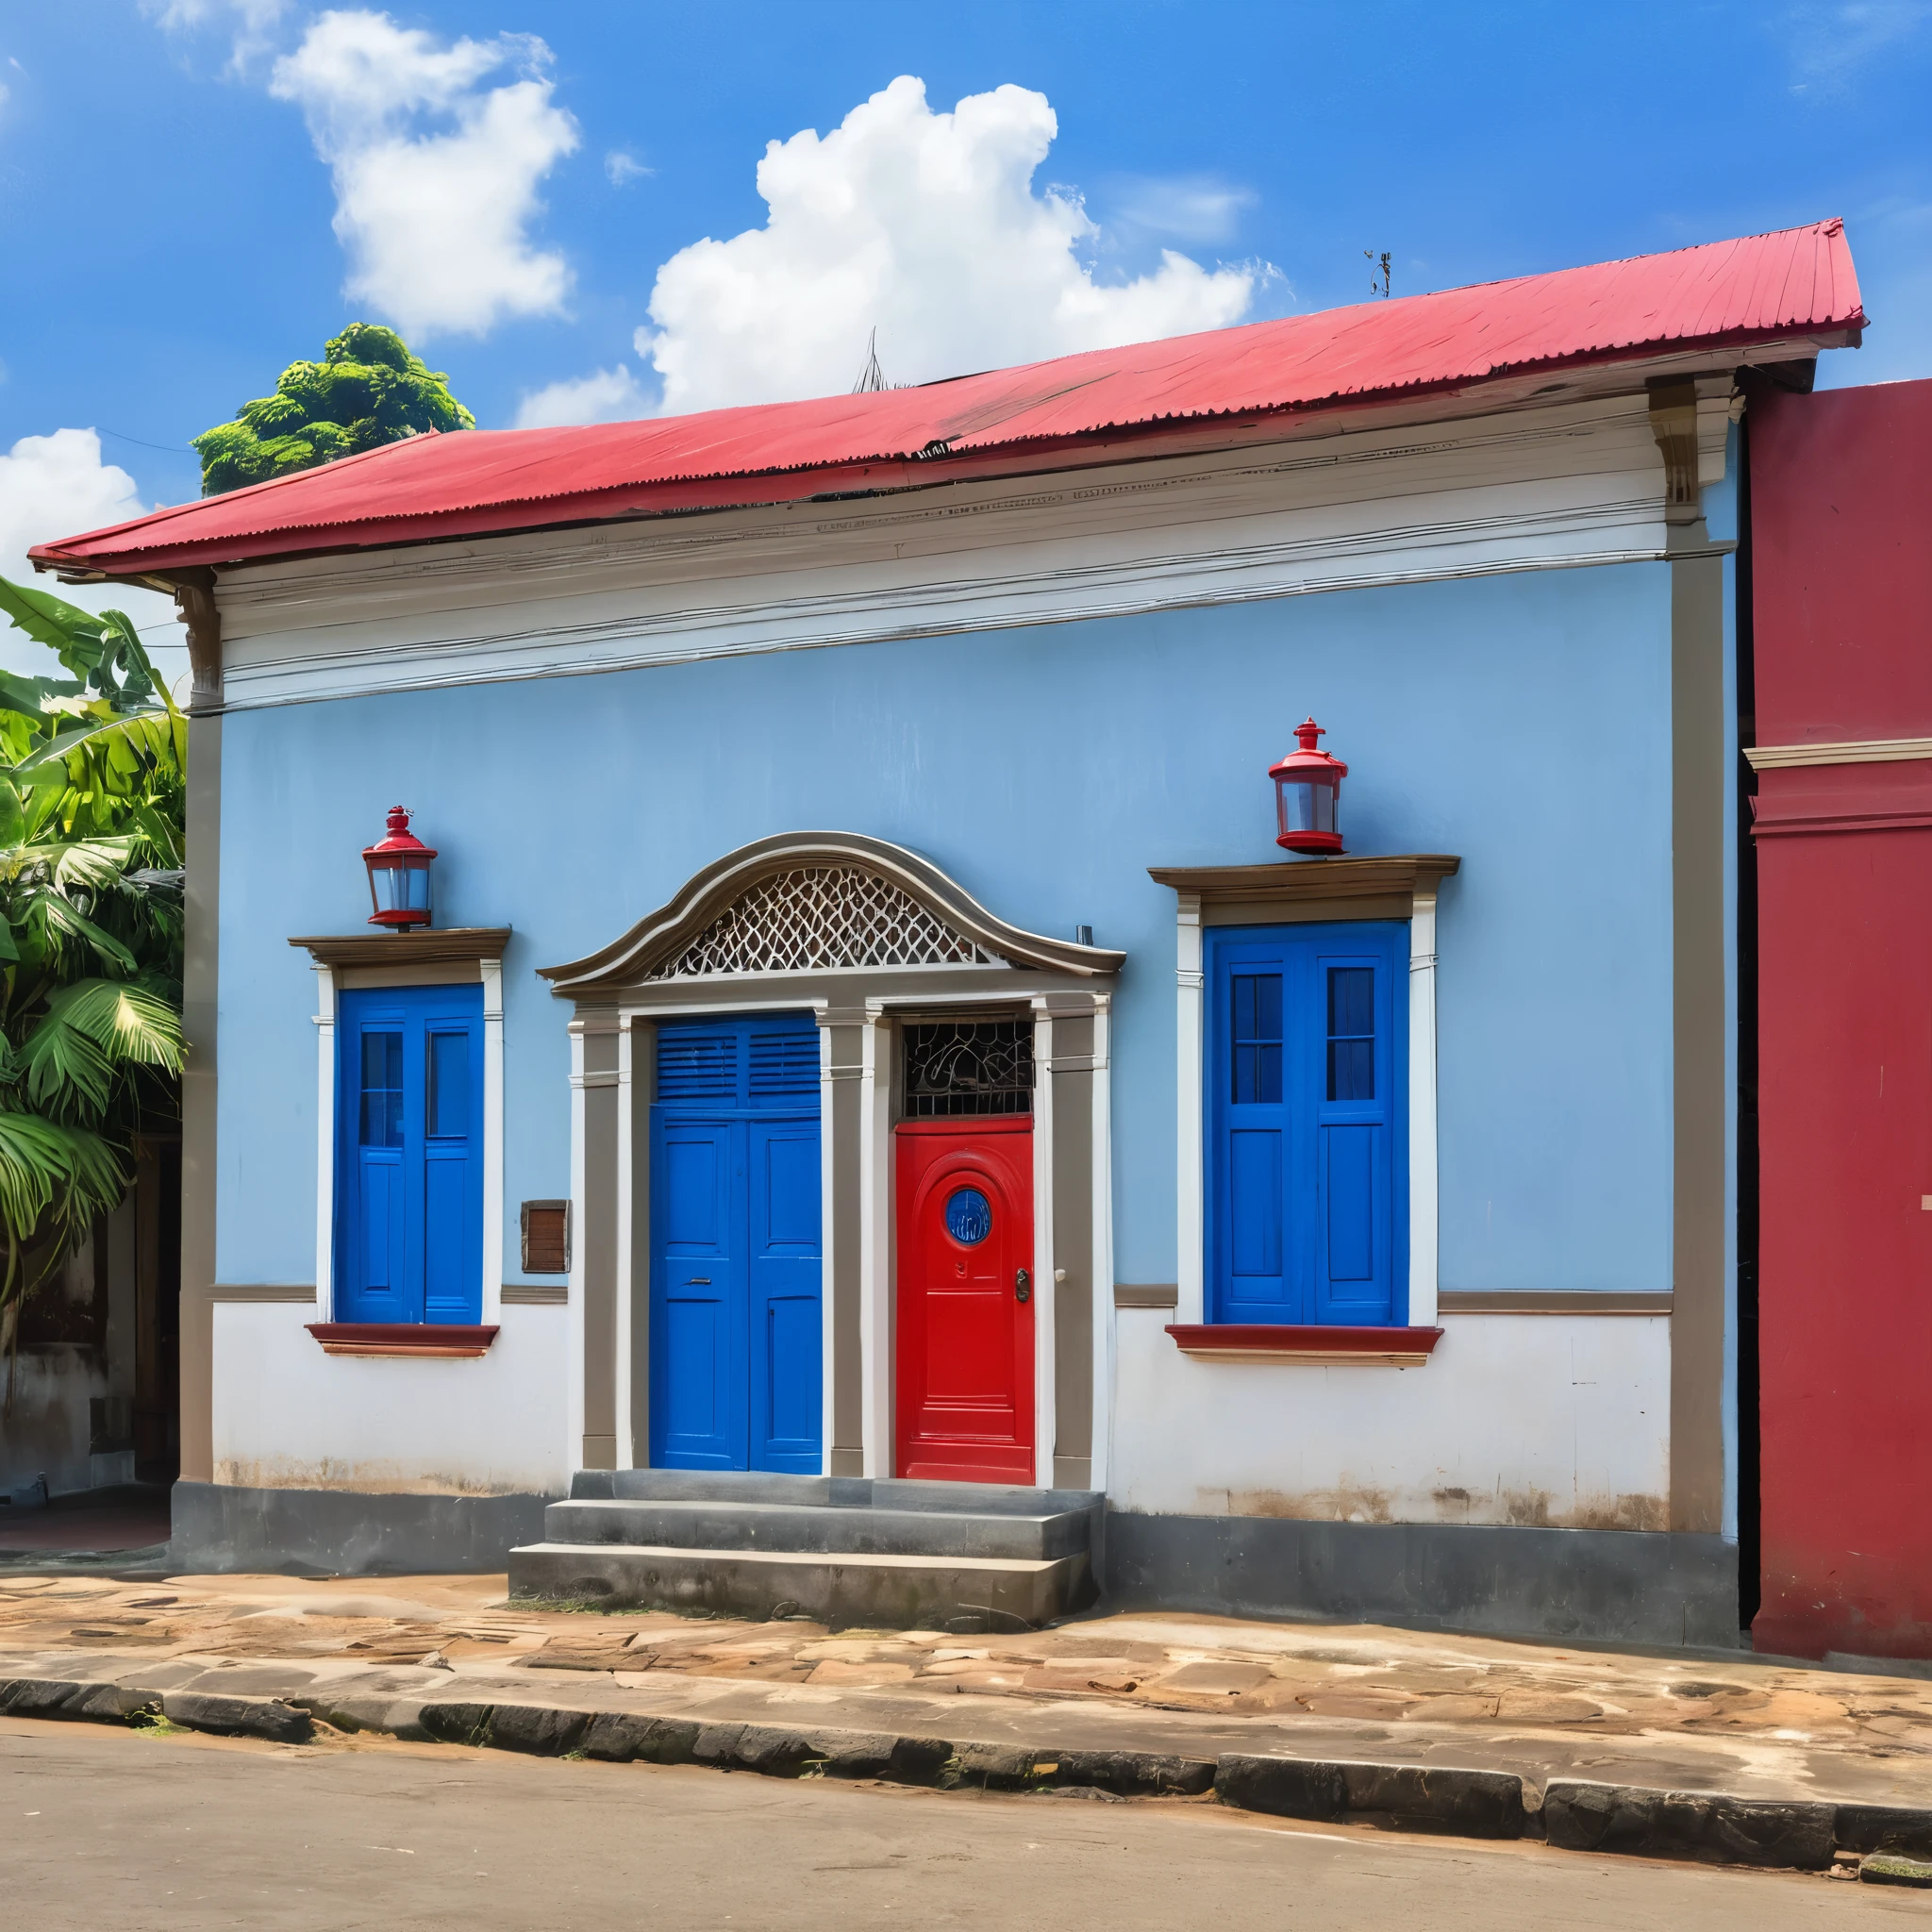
{"points": [[868, 1037]]}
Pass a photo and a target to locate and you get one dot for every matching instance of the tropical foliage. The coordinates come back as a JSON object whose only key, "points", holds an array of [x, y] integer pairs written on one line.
{"points": [[92, 771], [367, 390]]}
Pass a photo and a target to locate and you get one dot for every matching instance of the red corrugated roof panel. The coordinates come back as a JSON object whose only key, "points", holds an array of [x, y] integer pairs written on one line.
{"points": [[1764, 288]]}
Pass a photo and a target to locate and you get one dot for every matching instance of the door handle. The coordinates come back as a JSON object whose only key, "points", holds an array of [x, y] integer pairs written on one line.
{"points": [[1022, 1286]]}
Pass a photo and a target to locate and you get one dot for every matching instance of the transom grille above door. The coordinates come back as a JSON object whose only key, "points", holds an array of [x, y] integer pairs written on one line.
{"points": [[960, 1068]]}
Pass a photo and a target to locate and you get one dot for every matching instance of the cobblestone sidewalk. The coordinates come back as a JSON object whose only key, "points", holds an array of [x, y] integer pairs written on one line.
{"points": [[1758, 1727]]}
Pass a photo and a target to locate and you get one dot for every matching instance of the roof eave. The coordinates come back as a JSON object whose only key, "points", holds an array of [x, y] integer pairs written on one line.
{"points": [[886, 473]]}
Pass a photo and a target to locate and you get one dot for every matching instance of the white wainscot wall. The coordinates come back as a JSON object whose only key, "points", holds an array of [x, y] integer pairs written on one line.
{"points": [[1558, 1420], [289, 1417]]}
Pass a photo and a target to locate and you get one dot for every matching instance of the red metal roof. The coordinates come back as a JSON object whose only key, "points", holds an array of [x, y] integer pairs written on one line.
{"points": [[1761, 288]]}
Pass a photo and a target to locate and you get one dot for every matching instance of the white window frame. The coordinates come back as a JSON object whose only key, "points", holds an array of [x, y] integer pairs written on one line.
{"points": [[1190, 1000]]}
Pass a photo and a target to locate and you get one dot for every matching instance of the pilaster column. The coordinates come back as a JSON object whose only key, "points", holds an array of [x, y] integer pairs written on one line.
{"points": [[875, 1242], [623, 1324], [590, 1397], [1045, 1301]]}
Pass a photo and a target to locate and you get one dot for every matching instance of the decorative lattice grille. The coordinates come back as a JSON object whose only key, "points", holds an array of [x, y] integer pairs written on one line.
{"points": [[818, 916], [954, 1067]]}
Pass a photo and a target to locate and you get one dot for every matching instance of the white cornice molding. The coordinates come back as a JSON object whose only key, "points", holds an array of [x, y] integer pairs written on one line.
{"points": [[1862, 751], [1556, 487]]}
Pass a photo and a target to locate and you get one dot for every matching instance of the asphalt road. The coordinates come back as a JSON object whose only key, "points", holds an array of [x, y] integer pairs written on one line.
{"points": [[101, 1828]]}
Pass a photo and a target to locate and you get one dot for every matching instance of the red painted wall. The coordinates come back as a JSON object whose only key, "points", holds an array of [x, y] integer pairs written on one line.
{"points": [[1841, 605]]}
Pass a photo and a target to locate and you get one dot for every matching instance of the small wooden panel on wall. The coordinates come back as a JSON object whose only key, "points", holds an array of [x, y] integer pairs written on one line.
{"points": [[545, 1226]]}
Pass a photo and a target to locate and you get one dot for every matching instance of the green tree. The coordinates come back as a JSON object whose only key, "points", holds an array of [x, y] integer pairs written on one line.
{"points": [[367, 390], [93, 804]]}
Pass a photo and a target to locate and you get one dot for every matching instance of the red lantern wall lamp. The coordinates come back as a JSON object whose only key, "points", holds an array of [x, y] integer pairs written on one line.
{"points": [[399, 875], [1307, 789]]}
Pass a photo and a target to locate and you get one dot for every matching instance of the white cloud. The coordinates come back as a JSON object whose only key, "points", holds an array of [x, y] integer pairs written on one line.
{"points": [[252, 23], [1194, 207], [607, 395], [436, 176], [57, 486], [622, 168], [1830, 43], [927, 226]]}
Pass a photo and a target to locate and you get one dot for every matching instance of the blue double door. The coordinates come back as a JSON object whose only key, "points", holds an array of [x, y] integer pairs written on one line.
{"points": [[736, 1347], [408, 1231], [1307, 1123]]}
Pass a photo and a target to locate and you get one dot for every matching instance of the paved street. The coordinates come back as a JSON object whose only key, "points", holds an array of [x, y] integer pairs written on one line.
{"points": [[114, 1828]]}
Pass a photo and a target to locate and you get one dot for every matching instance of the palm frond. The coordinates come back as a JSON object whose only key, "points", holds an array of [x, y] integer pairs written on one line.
{"points": [[36, 1158], [58, 926], [68, 1075], [124, 1018]]}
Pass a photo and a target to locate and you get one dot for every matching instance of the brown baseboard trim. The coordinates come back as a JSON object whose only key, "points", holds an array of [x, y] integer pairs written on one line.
{"points": [[256, 1291], [535, 1294], [1146, 1294], [1535, 1301]]}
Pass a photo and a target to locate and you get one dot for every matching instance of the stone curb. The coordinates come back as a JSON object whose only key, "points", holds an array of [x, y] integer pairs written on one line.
{"points": [[228, 1717], [1631, 1820], [1465, 1804]]}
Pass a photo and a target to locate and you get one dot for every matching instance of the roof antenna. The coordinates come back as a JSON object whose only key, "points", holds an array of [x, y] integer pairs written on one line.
{"points": [[872, 378], [1379, 263]]}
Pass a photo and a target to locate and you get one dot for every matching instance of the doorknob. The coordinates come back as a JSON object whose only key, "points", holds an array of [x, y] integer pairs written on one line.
{"points": [[1022, 1286]]}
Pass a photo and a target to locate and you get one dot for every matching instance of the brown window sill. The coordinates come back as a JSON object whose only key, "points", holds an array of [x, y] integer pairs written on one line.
{"points": [[1232, 1341], [447, 1340]]}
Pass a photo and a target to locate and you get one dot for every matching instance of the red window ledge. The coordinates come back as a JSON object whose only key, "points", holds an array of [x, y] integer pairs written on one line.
{"points": [[1234, 1342], [447, 1340]]}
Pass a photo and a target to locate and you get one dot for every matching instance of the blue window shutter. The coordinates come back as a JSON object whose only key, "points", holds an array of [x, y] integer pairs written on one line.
{"points": [[409, 1235], [767, 1060], [1307, 1123], [736, 1256], [698, 1063]]}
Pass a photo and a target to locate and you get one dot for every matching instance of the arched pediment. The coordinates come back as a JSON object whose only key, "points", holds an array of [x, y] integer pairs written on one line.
{"points": [[819, 901]]}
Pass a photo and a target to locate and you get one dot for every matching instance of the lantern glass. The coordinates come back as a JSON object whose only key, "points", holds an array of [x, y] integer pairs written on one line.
{"points": [[1304, 805], [401, 888]]}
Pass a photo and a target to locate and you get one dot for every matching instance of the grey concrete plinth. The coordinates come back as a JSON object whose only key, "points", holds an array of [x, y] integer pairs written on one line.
{"points": [[841, 1589], [344, 1532], [1614, 1585]]}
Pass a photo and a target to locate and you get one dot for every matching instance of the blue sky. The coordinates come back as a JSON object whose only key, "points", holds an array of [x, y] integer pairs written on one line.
{"points": [[195, 192]]}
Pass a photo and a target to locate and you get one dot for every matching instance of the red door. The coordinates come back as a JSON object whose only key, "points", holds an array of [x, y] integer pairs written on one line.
{"points": [[965, 1308]]}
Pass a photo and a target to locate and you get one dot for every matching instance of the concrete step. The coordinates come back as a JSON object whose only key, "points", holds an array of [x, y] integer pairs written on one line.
{"points": [[833, 1491], [714, 1486], [817, 1529], [875, 1590]]}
